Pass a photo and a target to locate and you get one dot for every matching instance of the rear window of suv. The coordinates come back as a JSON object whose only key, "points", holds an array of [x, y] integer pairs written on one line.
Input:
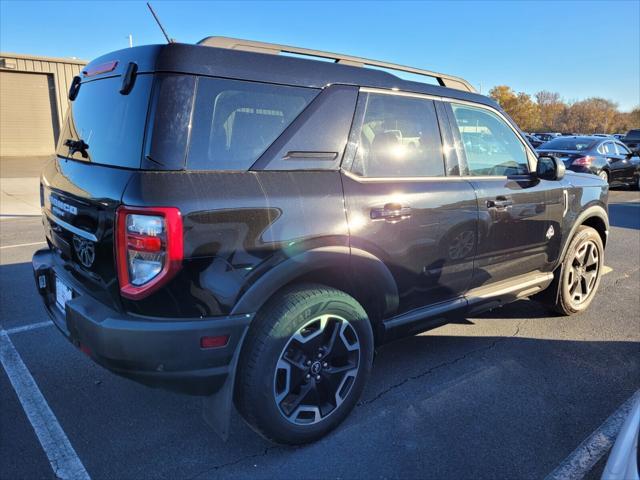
{"points": [[234, 121], [110, 124]]}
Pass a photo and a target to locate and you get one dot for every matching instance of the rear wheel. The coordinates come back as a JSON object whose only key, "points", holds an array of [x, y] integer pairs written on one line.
{"points": [[604, 175], [580, 272], [304, 364]]}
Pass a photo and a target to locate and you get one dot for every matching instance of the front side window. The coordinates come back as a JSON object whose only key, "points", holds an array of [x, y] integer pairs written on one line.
{"points": [[400, 137], [489, 145], [234, 121]]}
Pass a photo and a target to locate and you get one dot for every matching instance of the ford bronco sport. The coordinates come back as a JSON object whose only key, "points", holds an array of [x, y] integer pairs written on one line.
{"points": [[228, 221]]}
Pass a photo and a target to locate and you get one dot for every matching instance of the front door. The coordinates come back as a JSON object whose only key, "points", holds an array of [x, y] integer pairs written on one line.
{"points": [[403, 205], [515, 233]]}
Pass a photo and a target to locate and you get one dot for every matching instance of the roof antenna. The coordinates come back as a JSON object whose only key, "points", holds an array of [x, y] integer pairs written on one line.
{"points": [[164, 32]]}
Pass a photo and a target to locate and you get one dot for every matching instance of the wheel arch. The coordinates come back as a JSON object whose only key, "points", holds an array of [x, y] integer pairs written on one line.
{"points": [[595, 217], [356, 272]]}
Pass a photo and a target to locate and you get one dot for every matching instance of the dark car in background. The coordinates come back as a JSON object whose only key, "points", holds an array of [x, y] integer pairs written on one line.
{"points": [[546, 137], [534, 141], [632, 140], [606, 157]]}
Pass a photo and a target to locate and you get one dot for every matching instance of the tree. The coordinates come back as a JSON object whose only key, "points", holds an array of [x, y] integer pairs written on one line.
{"points": [[519, 106], [552, 109]]}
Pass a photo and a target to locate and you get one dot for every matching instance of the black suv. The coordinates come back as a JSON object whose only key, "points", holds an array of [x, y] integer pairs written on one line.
{"points": [[230, 222]]}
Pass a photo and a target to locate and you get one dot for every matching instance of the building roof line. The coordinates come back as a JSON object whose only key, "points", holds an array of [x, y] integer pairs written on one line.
{"points": [[21, 56]]}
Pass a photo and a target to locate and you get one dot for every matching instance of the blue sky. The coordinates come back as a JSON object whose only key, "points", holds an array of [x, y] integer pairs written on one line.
{"points": [[577, 48]]}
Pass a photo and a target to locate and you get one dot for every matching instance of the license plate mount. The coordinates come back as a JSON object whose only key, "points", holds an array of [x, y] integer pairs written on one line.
{"points": [[63, 294]]}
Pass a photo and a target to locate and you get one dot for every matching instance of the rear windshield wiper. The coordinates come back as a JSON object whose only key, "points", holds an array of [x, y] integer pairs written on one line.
{"points": [[77, 146]]}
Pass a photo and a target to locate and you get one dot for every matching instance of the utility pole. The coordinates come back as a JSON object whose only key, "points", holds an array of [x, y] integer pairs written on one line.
{"points": [[130, 41]]}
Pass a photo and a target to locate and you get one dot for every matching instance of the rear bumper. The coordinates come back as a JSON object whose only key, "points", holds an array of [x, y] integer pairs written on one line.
{"points": [[155, 351]]}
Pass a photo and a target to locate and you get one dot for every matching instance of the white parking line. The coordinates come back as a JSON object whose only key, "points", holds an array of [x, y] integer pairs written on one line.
{"points": [[26, 328], [56, 445], [589, 452], [22, 245]]}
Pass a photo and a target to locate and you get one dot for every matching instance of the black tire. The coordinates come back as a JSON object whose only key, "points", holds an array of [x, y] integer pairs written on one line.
{"points": [[571, 279], [269, 342]]}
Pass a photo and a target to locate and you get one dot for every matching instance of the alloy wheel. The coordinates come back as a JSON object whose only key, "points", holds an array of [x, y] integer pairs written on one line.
{"points": [[316, 369], [583, 272], [604, 176]]}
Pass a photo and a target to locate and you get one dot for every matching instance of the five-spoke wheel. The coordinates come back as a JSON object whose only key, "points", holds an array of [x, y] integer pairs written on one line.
{"points": [[316, 369], [304, 363], [579, 275]]}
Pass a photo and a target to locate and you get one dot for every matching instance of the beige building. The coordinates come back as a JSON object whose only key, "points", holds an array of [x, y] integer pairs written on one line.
{"points": [[33, 102]]}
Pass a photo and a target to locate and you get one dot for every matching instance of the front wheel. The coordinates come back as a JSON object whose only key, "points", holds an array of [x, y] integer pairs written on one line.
{"points": [[604, 176], [304, 364], [580, 272]]}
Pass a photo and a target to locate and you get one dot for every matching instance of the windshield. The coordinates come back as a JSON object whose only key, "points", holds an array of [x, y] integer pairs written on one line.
{"points": [[103, 126], [577, 144]]}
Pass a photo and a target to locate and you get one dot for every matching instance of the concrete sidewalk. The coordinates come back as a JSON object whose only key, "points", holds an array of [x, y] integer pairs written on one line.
{"points": [[19, 186]]}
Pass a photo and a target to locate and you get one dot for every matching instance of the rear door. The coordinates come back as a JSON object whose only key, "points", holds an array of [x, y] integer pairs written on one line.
{"points": [[405, 202], [519, 214]]}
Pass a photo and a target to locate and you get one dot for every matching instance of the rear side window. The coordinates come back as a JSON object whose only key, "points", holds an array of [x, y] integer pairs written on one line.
{"points": [[609, 149], [234, 122], [490, 146], [400, 137], [109, 125], [622, 150]]}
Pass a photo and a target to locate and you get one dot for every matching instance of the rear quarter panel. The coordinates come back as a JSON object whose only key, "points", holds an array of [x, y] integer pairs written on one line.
{"points": [[237, 225]]}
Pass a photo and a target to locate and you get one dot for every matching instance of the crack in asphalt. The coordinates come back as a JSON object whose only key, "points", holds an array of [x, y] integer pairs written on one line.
{"points": [[439, 366], [264, 453]]}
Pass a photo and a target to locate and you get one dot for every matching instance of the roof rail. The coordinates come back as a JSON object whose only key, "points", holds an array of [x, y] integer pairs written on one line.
{"points": [[273, 48]]}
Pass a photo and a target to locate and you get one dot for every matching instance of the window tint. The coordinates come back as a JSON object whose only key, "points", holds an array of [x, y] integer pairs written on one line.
{"points": [[622, 150], [491, 147], [399, 138], [609, 149], [110, 124], [234, 122]]}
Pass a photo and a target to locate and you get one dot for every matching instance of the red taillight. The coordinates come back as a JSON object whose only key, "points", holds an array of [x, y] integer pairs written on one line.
{"points": [[214, 342], [149, 248], [583, 161]]}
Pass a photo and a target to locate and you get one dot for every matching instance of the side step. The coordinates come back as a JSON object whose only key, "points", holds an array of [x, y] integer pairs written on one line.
{"points": [[475, 301]]}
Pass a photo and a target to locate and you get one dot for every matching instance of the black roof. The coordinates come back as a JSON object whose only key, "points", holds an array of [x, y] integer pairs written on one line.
{"points": [[262, 67]]}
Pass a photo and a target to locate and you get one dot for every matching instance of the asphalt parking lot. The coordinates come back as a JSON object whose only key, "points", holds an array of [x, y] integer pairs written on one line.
{"points": [[509, 394]]}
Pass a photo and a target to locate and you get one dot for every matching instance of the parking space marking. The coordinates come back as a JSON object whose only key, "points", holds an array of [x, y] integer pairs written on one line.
{"points": [[22, 245], [589, 452], [606, 270], [63, 459], [31, 326]]}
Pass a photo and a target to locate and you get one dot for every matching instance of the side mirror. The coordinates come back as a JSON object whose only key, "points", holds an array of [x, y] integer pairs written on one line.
{"points": [[550, 168]]}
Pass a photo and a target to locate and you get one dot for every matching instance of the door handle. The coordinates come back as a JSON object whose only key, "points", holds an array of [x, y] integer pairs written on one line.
{"points": [[391, 212], [499, 203]]}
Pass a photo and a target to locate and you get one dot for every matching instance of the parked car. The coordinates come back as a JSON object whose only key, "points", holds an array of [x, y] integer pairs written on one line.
{"points": [[534, 141], [618, 136], [611, 160], [545, 137], [632, 140], [248, 226]]}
